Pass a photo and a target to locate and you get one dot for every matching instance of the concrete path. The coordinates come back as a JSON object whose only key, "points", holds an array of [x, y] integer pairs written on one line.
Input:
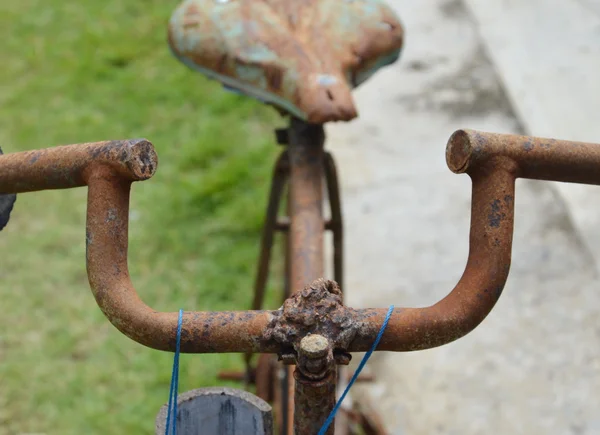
{"points": [[533, 366]]}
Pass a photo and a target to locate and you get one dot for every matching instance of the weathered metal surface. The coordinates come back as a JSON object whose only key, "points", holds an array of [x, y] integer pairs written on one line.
{"points": [[67, 166], [108, 168], [536, 158], [493, 169], [283, 224], [106, 242], [306, 185], [480, 286], [306, 157], [336, 223], [218, 411], [492, 161], [302, 56], [315, 366], [266, 376], [240, 376], [317, 309], [305, 248], [107, 225], [315, 357], [314, 401], [7, 202]]}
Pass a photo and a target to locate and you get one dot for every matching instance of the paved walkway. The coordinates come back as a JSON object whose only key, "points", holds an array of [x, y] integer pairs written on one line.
{"points": [[533, 366]]}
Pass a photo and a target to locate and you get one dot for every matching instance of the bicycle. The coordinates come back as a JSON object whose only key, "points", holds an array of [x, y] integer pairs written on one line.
{"points": [[313, 306]]}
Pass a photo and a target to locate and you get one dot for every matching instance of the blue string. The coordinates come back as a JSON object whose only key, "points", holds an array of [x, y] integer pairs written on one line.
{"points": [[172, 407], [357, 372], [172, 410]]}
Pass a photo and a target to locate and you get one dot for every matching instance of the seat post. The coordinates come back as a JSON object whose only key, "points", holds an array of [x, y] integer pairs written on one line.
{"points": [[306, 155]]}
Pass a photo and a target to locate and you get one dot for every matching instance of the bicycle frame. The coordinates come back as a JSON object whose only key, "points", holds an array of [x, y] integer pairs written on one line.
{"points": [[304, 173], [304, 165], [314, 393], [493, 161]]}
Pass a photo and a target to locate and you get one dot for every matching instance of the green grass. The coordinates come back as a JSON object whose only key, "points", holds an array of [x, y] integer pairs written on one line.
{"points": [[88, 70]]}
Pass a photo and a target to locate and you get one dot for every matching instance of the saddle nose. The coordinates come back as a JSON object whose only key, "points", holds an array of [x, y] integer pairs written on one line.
{"points": [[325, 98]]}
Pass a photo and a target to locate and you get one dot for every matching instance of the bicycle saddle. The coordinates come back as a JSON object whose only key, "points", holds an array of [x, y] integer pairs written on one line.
{"points": [[302, 56]]}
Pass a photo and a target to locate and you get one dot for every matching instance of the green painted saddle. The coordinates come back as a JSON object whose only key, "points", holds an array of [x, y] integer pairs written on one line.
{"points": [[302, 56]]}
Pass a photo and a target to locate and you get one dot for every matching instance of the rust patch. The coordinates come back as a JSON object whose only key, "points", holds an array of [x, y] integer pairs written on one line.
{"points": [[68, 166], [530, 157], [495, 216], [313, 401], [317, 309]]}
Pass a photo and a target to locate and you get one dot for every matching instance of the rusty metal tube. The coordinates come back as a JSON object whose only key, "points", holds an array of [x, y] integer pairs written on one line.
{"points": [[336, 223], [314, 400], [109, 168], [537, 158], [64, 167], [278, 182], [106, 243], [480, 286], [277, 186], [306, 157], [493, 161]]}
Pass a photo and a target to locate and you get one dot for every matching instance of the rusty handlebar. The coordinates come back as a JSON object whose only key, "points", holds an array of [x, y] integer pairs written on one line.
{"points": [[493, 161]]}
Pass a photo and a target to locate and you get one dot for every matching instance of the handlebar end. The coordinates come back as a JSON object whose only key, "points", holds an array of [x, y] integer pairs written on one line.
{"points": [[458, 151], [142, 160]]}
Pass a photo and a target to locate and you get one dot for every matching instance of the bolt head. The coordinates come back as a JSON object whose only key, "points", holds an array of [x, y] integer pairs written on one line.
{"points": [[314, 346]]}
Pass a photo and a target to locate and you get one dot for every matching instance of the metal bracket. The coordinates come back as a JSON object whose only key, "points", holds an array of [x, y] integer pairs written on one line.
{"points": [[317, 309]]}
